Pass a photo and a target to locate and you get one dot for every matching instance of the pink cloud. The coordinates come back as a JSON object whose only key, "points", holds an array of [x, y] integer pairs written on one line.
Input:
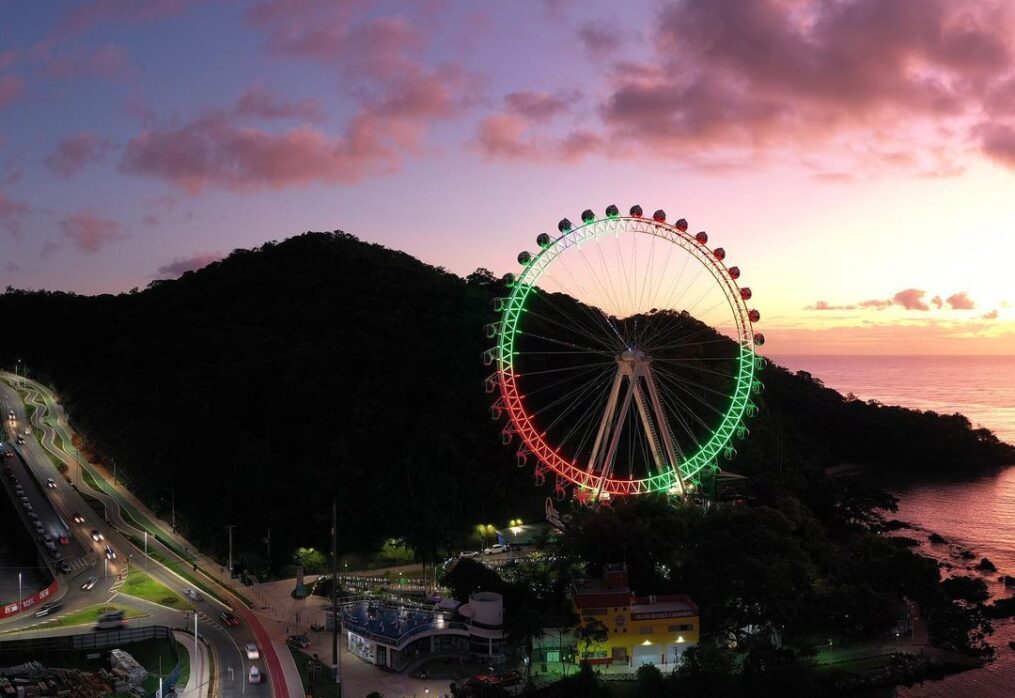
{"points": [[12, 214], [74, 152], [258, 102], [875, 304], [938, 302], [90, 232], [998, 142], [507, 136], [600, 38], [88, 14], [825, 305], [11, 87], [992, 315], [181, 265], [762, 76], [536, 106], [215, 152], [911, 299], [960, 301], [109, 61]]}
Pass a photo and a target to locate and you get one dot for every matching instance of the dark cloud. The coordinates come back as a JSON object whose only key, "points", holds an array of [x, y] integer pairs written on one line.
{"points": [[600, 38], [762, 75], [537, 106]]}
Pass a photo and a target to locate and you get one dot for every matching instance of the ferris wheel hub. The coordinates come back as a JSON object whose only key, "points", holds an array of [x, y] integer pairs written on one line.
{"points": [[633, 355]]}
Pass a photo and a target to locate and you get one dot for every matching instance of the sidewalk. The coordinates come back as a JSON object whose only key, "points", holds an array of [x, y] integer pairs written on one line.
{"points": [[200, 667]]}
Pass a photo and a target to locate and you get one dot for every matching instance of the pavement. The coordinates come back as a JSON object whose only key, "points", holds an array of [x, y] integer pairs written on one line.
{"points": [[199, 681]]}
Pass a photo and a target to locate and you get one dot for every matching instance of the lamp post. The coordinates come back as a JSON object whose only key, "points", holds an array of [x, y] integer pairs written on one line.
{"points": [[20, 607]]}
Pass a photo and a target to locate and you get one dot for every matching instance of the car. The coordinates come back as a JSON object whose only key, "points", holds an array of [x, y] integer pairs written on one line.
{"points": [[78, 519], [38, 527], [228, 618], [21, 440], [255, 675], [495, 549], [55, 554], [89, 583], [33, 516], [64, 567], [50, 483], [97, 535], [110, 553], [469, 553], [46, 609], [47, 539], [19, 490], [64, 540], [23, 499], [252, 651], [300, 641], [193, 594]]}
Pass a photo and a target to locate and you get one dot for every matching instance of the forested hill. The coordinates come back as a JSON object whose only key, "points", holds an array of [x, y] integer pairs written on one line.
{"points": [[261, 386]]}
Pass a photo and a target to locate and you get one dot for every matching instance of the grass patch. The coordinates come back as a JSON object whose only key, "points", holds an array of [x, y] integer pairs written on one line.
{"points": [[159, 657], [323, 687], [89, 615], [142, 585]]}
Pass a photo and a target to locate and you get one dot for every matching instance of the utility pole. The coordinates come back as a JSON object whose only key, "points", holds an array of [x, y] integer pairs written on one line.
{"points": [[230, 529], [172, 494], [114, 471], [268, 541], [335, 620]]}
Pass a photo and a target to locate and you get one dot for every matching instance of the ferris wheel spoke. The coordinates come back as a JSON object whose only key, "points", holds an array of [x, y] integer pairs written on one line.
{"points": [[683, 382], [546, 386], [565, 369], [570, 345], [678, 408], [568, 328], [599, 320], [663, 275], [569, 397]]}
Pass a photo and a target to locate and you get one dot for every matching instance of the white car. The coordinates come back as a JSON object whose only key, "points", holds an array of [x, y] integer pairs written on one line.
{"points": [[50, 483], [494, 549], [255, 675], [469, 553], [192, 594], [252, 652], [90, 583]]}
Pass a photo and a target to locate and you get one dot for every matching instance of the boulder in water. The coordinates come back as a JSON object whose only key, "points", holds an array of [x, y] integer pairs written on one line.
{"points": [[936, 539], [986, 566]]}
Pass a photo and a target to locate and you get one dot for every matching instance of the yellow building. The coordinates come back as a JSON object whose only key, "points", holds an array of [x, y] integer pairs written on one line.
{"points": [[642, 629]]}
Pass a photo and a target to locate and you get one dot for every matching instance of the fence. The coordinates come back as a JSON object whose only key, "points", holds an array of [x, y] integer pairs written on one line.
{"points": [[14, 651]]}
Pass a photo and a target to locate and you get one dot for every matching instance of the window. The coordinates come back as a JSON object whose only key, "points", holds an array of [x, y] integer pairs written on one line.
{"points": [[680, 628], [619, 652], [646, 630], [594, 612]]}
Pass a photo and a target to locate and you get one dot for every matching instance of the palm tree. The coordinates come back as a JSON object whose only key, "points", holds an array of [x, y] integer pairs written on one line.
{"points": [[524, 626]]}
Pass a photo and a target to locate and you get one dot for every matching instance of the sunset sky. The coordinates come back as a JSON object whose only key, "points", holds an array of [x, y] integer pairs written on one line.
{"points": [[856, 159]]}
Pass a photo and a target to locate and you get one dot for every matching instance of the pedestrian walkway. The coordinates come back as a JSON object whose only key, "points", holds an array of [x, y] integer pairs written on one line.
{"points": [[200, 667]]}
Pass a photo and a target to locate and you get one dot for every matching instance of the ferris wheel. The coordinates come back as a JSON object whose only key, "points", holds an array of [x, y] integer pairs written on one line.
{"points": [[625, 357]]}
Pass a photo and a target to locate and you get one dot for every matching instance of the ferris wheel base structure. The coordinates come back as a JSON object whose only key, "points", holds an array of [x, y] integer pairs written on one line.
{"points": [[624, 343]]}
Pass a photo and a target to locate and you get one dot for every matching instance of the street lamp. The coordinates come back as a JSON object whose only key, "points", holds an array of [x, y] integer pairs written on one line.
{"points": [[20, 607]]}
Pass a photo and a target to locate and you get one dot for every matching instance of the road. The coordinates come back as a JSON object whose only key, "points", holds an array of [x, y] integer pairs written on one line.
{"points": [[226, 642]]}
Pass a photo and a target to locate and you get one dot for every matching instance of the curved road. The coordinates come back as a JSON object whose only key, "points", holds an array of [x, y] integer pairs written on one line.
{"points": [[226, 643]]}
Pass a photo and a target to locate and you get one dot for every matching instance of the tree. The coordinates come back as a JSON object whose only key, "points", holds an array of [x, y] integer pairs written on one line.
{"points": [[312, 560], [706, 671], [649, 680], [524, 626], [591, 632]]}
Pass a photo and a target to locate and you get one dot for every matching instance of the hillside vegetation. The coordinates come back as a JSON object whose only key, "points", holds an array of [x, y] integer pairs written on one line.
{"points": [[260, 387]]}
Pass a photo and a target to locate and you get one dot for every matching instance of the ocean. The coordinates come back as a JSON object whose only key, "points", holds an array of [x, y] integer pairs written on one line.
{"points": [[977, 513]]}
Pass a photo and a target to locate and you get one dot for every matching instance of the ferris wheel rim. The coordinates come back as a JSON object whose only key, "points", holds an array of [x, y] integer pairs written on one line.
{"points": [[522, 424]]}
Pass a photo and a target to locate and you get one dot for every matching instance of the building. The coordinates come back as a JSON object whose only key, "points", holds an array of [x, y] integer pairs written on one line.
{"points": [[641, 629], [392, 635]]}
